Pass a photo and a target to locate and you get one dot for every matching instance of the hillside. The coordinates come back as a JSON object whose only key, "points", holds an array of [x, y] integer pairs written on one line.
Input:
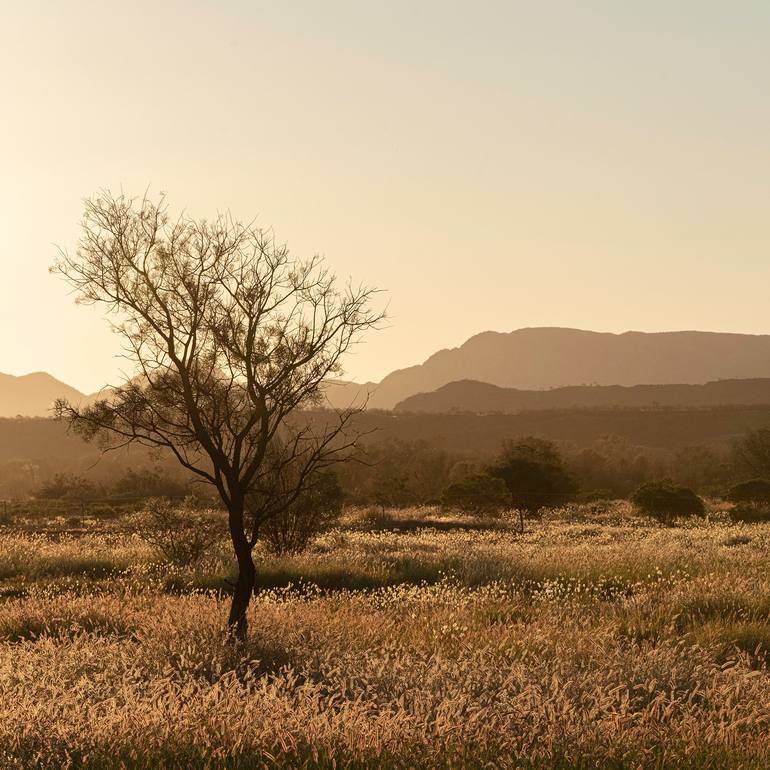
{"points": [[33, 395], [535, 359], [540, 358], [341, 394], [483, 398]]}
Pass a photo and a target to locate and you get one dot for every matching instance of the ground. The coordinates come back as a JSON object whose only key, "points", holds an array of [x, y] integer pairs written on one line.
{"points": [[596, 639]]}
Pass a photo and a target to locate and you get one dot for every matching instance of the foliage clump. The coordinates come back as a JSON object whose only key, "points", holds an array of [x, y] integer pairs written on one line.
{"points": [[67, 486], [146, 483], [534, 474], [665, 500], [752, 491], [752, 501], [477, 493]]}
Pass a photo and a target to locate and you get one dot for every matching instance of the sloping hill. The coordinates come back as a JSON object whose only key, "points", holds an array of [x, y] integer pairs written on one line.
{"points": [[483, 398], [33, 395], [341, 394], [526, 359], [539, 358]]}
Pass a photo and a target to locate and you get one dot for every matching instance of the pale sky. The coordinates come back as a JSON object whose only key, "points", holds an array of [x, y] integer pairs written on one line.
{"points": [[493, 165]]}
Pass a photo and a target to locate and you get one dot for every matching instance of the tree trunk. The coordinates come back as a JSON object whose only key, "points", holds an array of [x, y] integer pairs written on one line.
{"points": [[247, 575]]}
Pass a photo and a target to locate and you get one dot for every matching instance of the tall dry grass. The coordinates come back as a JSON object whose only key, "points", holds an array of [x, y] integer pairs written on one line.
{"points": [[586, 642]]}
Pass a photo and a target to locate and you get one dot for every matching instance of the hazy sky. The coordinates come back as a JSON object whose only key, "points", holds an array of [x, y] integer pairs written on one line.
{"points": [[493, 165]]}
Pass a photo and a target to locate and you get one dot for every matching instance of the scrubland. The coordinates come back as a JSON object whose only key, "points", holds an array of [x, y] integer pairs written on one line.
{"points": [[595, 639]]}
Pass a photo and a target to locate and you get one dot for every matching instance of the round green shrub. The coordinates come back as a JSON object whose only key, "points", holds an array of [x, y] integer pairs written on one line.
{"points": [[665, 500]]}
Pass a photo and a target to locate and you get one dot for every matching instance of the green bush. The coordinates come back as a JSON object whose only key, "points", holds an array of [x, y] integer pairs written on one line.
{"points": [[665, 500], [478, 493]]}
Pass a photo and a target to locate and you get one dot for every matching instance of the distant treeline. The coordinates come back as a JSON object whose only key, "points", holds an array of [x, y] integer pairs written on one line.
{"points": [[399, 473], [653, 427], [39, 438], [409, 459]]}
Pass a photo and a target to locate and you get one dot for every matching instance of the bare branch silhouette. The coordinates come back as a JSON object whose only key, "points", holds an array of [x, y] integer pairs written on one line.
{"points": [[232, 340]]}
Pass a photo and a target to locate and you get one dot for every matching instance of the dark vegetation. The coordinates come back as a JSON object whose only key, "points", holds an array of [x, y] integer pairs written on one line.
{"points": [[534, 474], [752, 500], [477, 493], [65, 476], [752, 491], [413, 457], [665, 501]]}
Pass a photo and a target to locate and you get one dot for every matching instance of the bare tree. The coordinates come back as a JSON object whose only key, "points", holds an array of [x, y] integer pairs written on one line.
{"points": [[231, 339]]}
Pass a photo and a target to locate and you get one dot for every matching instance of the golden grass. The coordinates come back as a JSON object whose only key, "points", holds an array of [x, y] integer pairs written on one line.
{"points": [[586, 642]]}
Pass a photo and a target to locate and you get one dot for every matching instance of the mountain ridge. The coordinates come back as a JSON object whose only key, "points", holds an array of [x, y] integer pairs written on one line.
{"points": [[472, 396], [33, 394], [536, 358], [532, 358]]}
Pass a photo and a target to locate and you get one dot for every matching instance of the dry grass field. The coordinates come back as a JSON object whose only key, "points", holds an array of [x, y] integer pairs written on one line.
{"points": [[596, 639]]}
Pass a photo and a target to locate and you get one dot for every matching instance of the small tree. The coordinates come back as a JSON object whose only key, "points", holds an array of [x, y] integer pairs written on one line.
{"points": [[533, 472], [477, 493], [664, 500], [232, 341], [313, 512]]}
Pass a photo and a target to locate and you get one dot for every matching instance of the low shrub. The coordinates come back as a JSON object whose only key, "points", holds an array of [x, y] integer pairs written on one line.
{"points": [[181, 533], [750, 513], [753, 491], [665, 500]]}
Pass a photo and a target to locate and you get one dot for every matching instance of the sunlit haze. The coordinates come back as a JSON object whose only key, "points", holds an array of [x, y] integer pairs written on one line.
{"points": [[492, 165]]}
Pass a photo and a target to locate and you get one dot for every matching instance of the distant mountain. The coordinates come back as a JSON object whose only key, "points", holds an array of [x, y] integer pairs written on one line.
{"points": [[33, 395], [526, 359], [539, 358], [341, 394], [483, 398]]}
